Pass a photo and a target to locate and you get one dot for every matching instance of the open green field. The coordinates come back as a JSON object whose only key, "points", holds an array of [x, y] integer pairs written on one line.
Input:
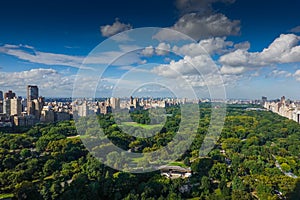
{"points": [[145, 126], [6, 196]]}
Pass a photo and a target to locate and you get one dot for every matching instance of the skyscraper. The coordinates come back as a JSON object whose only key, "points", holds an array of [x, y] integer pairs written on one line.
{"points": [[1, 102], [9, 95], [32, 92], [15, 106], [115, 103], [6, 106], [6, 101]]}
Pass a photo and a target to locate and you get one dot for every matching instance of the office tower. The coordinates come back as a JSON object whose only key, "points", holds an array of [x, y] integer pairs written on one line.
{"points": [[15, 106], [9, 95], [263, 100], [32, 92], [131, 100], [1, 102], [83, 109], [115, 103], [1, 106], [6, 106]]}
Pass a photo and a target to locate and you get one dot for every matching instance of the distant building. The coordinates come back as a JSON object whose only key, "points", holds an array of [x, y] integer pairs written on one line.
{"points": [[15, 106], [32, 95], [32, 92], [47, 115], [24, 120], [61, 116], [83, 109], [115, 103], [6, 106], [264, 100], [9, 95], [1, 106]]}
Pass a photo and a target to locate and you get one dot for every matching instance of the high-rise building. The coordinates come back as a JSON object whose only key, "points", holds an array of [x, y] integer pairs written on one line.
{"points": [[83, 109], [1, 102], [263, 100], [9, 95], [6, 106], [15, 106], [32, 100], [115, 103], [1, 106], [32, 92]]}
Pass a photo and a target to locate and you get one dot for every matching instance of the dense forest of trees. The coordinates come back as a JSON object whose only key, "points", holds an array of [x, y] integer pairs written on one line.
{"points": [[256, 157]]}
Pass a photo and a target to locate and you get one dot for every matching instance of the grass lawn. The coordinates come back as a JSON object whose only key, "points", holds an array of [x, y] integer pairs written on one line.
{"points": [[6, 196], [145, 126], [180, 164]]}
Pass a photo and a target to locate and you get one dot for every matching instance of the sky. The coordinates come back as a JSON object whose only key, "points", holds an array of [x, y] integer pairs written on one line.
{"points": [[194, 48]]}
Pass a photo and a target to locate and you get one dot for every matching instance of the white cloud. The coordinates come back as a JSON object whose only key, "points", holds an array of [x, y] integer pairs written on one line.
{"points": [[284, 49], [279, 73], [53, 83], [186, 66], [50, 81], [28, 53], [200, 27], [297, 75], [32, 55], [295, 29], [116, 27], [162, 49], [207, 46], [232, 70], [148, 51], [203, 6]]}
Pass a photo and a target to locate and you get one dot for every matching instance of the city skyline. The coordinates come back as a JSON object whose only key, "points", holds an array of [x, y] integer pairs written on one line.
{"points": [[256, 54]]}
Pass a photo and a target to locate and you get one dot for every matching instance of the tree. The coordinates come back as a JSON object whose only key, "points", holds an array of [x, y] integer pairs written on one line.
{"points": [[50, 166], [25, 153]]}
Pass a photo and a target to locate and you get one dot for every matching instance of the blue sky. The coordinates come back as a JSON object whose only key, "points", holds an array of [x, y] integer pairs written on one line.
{"points": [[254, 46]]}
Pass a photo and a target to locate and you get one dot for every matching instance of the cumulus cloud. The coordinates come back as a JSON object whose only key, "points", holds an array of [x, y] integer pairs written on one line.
{"points": [[200, 27], [295, 29], [279, 73], [203, 7], [232, 70], [201, 64], [297, 75], [52, 83], [148, 51], [116, 27], [162, 49], [49, 81], [210, 46], [284, 49], [199, 21]]}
